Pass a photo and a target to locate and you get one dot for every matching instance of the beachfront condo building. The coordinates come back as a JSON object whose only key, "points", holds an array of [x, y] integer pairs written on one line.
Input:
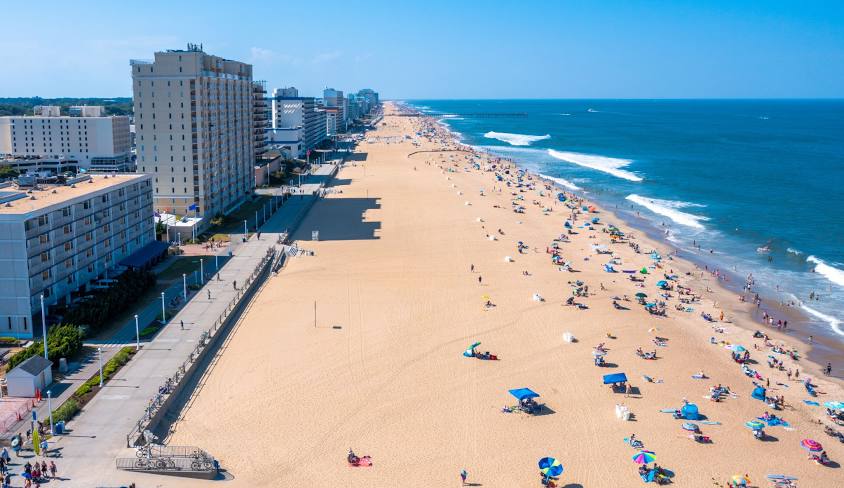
{"points": [[334, 99], [261, 118], [53, 143], [195, 117], [290, 111], [57, 238]]}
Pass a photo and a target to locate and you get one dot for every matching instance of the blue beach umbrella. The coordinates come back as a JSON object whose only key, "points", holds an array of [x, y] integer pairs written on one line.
{"points": [[754, 425], [834, 405], [550, 466], [738, 348]]}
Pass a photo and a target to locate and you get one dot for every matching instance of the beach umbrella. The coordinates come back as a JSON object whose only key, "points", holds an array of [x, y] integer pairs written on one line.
{"points": [[739, 480], [661, 283], [644, 270], [644, 457], [641, 295], [550, 466], [470, 351], [834, 405], [755, 425], [738, 348], [690, 427], [811, 445]]}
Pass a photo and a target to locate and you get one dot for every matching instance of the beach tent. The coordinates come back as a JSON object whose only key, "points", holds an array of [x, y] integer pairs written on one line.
{"points": [[561, 197], [758, 393], [610, 379], [644, 271], [596, 220], [662, 283], [524, 393], [608, 268], [690, 411]]}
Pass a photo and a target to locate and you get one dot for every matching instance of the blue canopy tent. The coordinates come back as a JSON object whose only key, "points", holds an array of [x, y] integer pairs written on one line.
{"points": [[524, 393], [758, 393], [561, 197], [690, 412], [610, 379]]}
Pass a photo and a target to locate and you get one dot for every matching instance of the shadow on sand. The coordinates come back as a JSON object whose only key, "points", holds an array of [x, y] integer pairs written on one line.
{"points": [[340, 219]]}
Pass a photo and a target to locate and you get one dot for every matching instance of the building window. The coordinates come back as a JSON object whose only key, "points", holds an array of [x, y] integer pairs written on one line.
{"points": [[44, 238], [45, 275], [43, 220], [68, 246], [45, 256]]}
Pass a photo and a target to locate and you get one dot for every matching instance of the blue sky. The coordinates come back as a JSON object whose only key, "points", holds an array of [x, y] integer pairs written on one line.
{"points": [[442, 49]]}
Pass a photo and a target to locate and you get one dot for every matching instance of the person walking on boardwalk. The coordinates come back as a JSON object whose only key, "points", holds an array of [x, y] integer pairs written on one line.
{"points": [[209, 294]]}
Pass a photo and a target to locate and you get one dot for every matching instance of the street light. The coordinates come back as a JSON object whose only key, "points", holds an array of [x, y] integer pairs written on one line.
{"points": [[50, 409], [245, 229], [201, 271], [100, 353], [44, 326], [137, 334], [163, 313], [185, 286]]}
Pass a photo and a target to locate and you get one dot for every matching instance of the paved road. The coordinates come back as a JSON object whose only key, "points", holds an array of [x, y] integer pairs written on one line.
{"points": [[98, 434]]}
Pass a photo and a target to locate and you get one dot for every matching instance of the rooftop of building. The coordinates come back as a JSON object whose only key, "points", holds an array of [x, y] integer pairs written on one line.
{"points": [[19, 200]]}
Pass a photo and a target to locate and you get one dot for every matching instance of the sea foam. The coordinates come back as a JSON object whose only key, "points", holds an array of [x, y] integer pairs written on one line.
{"points": [[599, 163], [560, 181], [669, 208], [834, 323], [515, 139], [833, 274]]}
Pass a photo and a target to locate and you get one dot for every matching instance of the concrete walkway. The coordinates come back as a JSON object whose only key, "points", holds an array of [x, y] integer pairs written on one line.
{"points": [[98, 434]]}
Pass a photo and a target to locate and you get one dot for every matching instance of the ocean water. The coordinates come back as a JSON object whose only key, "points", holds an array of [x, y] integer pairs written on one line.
{"points": [[731, 175]]}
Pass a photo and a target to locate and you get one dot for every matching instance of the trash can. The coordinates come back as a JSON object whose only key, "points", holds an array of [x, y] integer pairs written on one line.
{"points": [[58, 428]]}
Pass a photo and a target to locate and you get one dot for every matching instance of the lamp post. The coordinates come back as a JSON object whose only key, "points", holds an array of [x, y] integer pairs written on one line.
{"points": [[216, 265], [50, 409], [185, 286], [44, 326], [256, 220], [137, 334], [163, 313], [202, 271], [100, 356], [245, 229]]}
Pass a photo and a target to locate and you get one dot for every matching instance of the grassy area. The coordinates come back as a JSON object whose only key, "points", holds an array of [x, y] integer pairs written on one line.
{"points": [[184, 265], [233, 223]]}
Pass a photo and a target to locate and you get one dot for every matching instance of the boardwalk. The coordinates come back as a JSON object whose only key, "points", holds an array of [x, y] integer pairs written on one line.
{"points": [[98, 434]]}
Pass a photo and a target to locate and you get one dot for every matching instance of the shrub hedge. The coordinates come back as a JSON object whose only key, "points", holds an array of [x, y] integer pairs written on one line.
{"points": [[63, 341], [130, 286]]}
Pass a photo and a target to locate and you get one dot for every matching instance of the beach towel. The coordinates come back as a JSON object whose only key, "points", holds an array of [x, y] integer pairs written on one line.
{"points": [[812, 403], [710, 422], [668, 410]]}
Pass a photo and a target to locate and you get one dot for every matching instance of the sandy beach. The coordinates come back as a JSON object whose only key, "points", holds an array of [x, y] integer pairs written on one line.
{"points": [[361, 345]]}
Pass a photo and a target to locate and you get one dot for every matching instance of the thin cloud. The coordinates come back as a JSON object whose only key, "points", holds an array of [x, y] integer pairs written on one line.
{"points": [[326, 57], [263, 55]]}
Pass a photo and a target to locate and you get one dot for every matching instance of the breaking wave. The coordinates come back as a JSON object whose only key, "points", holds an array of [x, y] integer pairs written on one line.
{"points": [[669, 208], [833, 274], [516, 139], [599, 163]]}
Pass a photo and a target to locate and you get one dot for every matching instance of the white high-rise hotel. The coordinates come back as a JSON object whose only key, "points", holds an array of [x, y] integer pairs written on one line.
{"points": [[194, 130]]}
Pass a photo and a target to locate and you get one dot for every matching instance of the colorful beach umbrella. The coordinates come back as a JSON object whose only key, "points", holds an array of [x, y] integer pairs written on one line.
{"points": [[470, 351], [550, 466], [644, 457], [811, 445], [755, 425], [739, 480], [738, 348], [834, 405]]}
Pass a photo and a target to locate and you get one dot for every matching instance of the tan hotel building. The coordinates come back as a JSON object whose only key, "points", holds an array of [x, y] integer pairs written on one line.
{"points": [[194, 116]]}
